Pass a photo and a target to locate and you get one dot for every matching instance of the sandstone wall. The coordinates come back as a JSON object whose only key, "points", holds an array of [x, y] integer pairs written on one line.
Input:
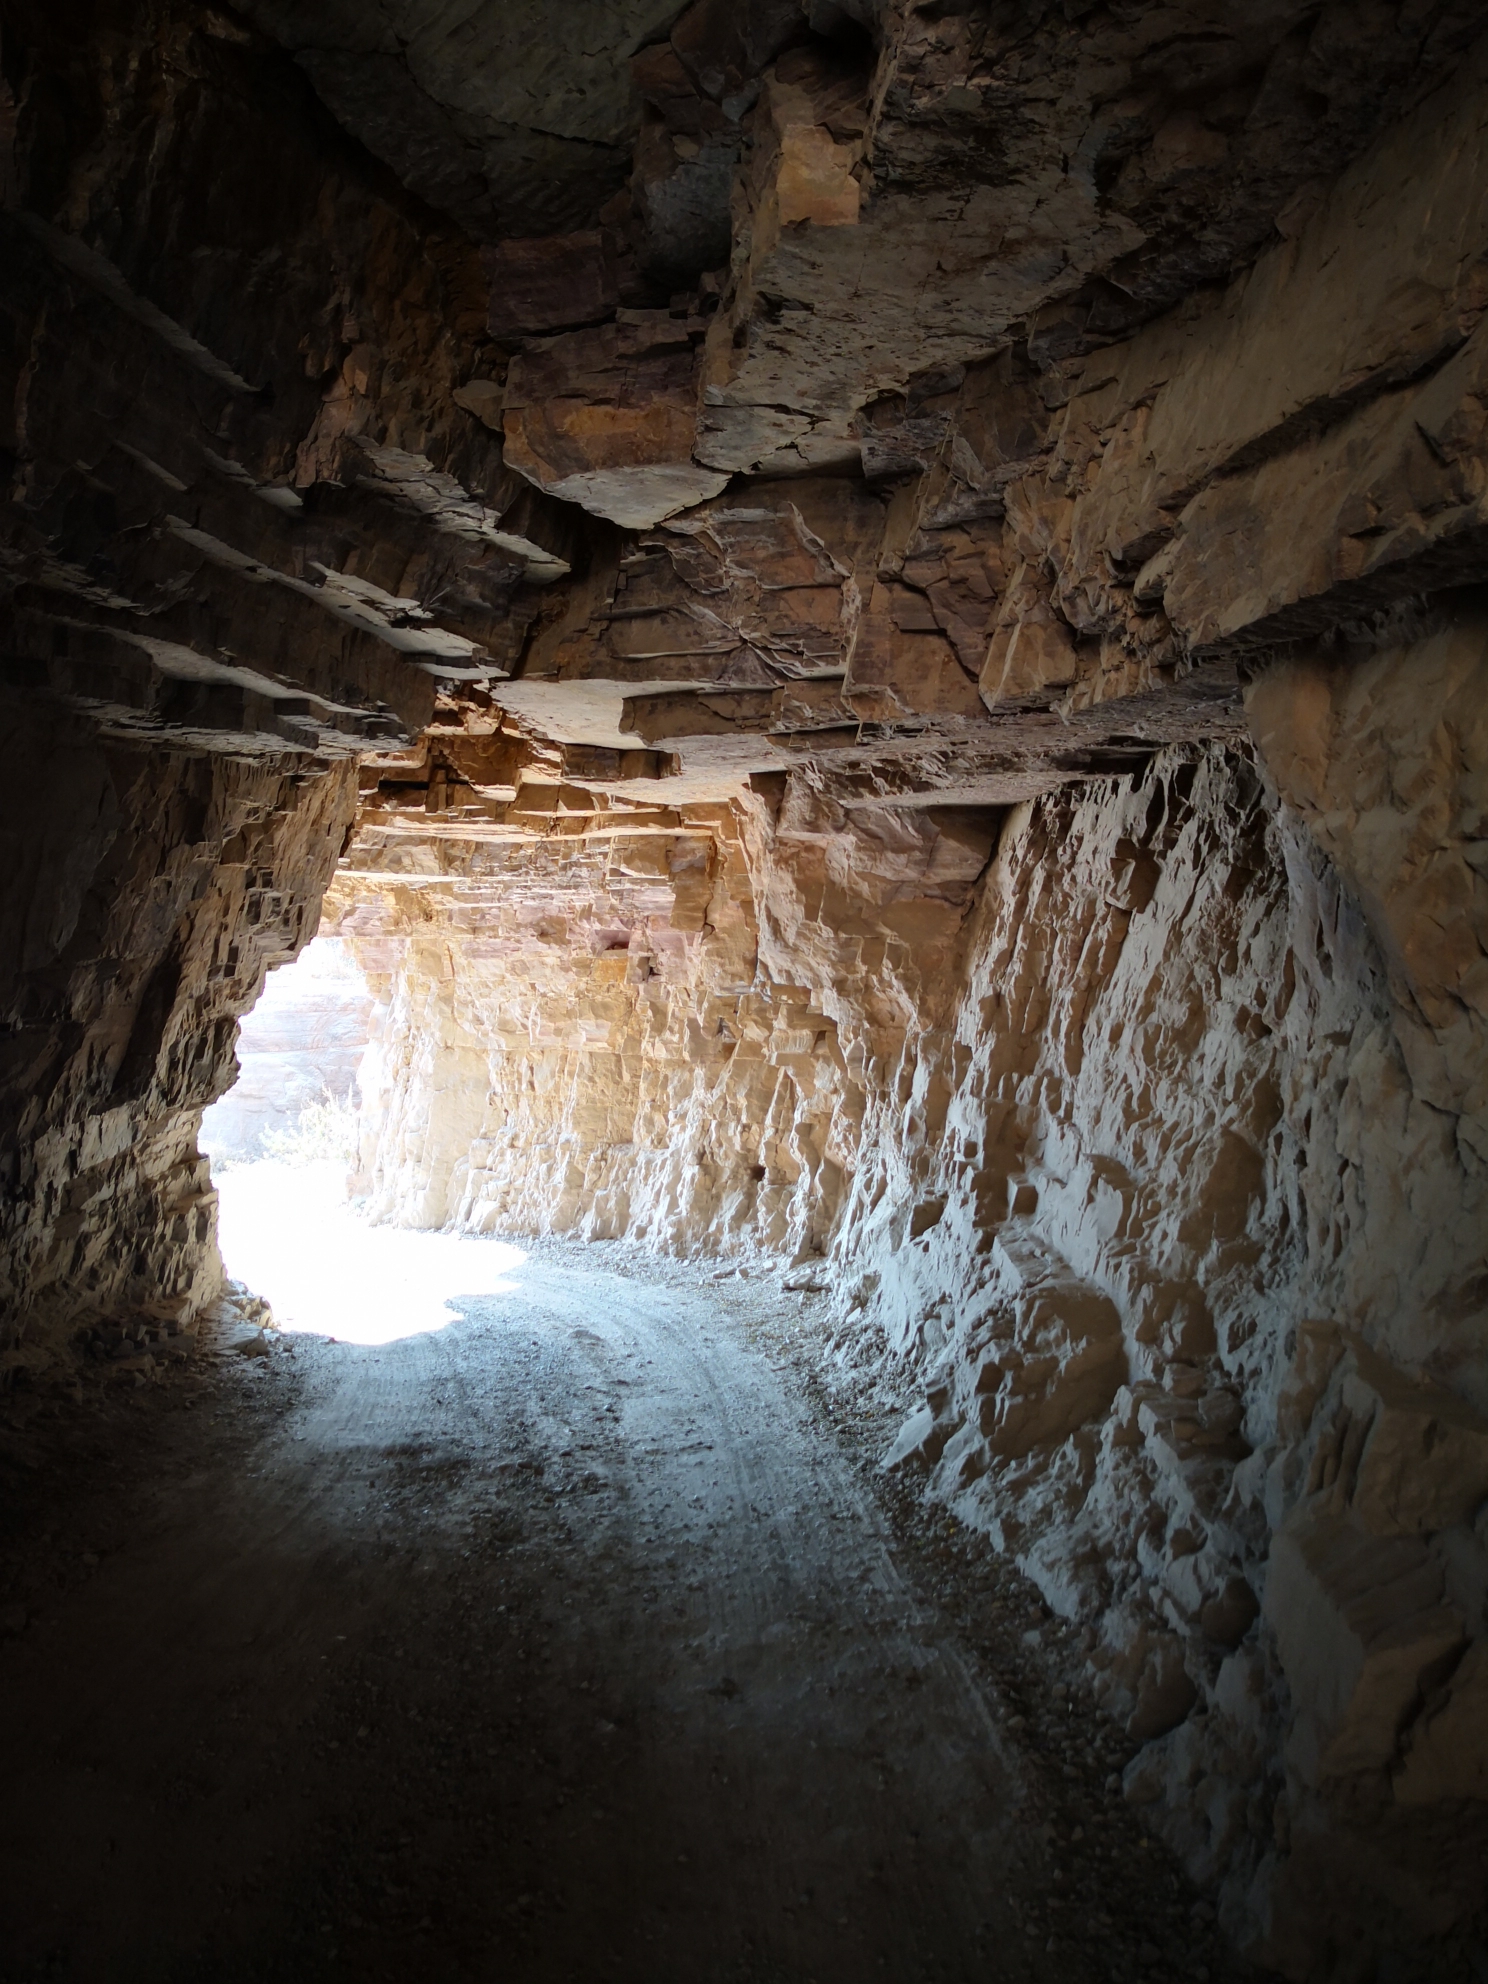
{"points": [[231, 471], [1017, 852], [148, 893], [580, 1035], [1200, 1285]]}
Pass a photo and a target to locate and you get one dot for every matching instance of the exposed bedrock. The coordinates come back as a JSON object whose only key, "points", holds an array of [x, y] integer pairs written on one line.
{"points": [[1152, 1146], [872, 624], [146, 895], [234, 473]]}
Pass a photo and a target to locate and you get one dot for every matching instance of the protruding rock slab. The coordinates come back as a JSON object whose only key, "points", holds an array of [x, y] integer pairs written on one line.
{"points": [[607, 418], [551, 282], [1411, 1458]]}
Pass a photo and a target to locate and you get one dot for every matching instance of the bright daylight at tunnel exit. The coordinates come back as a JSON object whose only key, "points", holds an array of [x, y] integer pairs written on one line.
{"points": [[744, 992]]}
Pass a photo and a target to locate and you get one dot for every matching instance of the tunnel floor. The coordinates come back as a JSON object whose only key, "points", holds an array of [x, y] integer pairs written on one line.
{"points": [[567, 1642]]}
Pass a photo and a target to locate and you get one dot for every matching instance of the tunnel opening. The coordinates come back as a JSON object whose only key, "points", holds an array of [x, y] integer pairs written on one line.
{"points": [[286, 1150], [300, 1049]]}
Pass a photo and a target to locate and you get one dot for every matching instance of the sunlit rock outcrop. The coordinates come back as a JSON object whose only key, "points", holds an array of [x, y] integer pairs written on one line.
{"points": [[579, 1032]]}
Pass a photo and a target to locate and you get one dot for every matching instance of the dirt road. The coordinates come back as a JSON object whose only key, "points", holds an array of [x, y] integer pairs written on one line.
{"points": [[561, 1643]]}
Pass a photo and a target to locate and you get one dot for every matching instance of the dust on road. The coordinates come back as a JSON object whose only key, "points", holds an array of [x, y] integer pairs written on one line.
{"points": [[564, 1642]]}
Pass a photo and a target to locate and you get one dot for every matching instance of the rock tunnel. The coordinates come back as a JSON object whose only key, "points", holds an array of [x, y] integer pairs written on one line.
{"points": [[866, 623]]}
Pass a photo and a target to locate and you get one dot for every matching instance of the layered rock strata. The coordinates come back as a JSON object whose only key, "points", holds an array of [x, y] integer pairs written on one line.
{"points": [[905, 587], [147, 894], [233, 473], [1142, 1118], [1150, 1145]]}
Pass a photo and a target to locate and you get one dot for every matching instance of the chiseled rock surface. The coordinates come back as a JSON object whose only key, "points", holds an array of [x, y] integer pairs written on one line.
{"points": [[147, 896], [576, 1035], [903, 586], [231, 473], [1122, 1146], [606, 419], [1023, 169], [236, 473]]}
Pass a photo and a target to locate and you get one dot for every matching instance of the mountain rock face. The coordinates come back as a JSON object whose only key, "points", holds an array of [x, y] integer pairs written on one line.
{"points": [[870, 623]]}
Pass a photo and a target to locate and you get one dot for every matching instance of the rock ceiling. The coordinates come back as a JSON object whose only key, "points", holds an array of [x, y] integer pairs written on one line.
{"points": [[516, 120], [854, 327]]}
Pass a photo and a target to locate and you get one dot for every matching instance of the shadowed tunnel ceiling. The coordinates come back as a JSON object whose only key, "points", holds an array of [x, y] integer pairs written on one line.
{"points": [[514, 120]]}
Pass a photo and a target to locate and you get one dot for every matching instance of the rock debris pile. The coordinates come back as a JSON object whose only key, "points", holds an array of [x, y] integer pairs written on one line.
{"points": [[868, 621]]}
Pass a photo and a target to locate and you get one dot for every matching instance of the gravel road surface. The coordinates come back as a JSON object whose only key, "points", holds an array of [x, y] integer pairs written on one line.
{"points": [[564, 1641]]}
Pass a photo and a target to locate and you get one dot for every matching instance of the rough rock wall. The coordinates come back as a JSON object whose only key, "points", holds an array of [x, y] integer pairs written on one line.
{"points": [[579, 1034], [1199, 1291], [148, 892], [1154, 1156], [230, 474], [1150, 1150], [1071, 411]]}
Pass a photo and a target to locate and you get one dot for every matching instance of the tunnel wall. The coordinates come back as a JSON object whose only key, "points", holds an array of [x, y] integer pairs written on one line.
{"points": [[226, 344], [1145, 1145], [581, 1041], [148, 893], [1198, 1171]]}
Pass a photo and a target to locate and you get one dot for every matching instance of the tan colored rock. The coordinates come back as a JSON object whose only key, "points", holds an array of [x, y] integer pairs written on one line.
{"points": [[246, 607], [1388, 505], [864, 865], [130, 950], [1142, 1681], [1362, 1634], [1319, 1347], [1381, 759], [607, 419], [815, 183], [1032, 647], [776, 574], [1408, 1458], [902, 665], [1254, 466], [1049, 1358], [1447, 1754], [1384, 280], [975, 216]]}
